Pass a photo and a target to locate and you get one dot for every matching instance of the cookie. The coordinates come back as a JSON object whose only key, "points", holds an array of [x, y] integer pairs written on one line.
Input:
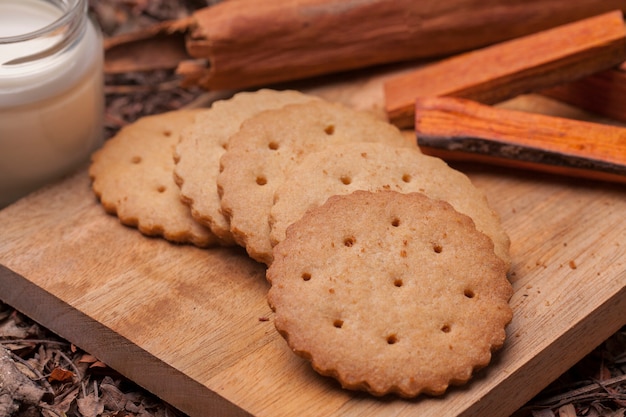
{"points": [[132, 175], [202, 144], [390, 292], [342, 169], [270, 144]]}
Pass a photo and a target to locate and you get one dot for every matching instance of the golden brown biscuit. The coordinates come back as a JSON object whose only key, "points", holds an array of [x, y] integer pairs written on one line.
{"points": [[390, 293], [133, 178], [270, 144], [203, 143], [344, 168]]}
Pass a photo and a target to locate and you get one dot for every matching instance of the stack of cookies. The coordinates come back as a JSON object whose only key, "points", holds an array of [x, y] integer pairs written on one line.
{"points": [[387, 267]]}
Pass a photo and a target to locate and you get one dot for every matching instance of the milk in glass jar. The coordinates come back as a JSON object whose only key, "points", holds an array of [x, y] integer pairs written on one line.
{"points": [[51, 92]]}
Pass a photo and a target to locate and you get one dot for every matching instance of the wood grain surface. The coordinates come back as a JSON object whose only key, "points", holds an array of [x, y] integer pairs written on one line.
{"points": [[193, 326]]}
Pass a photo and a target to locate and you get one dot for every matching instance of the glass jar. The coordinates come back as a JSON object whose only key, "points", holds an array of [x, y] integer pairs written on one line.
{"points": [[51, 92]]}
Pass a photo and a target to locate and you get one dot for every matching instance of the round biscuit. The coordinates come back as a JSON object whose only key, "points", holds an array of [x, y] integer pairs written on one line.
{"points": [[390, 292], [269, 144], [202, 144], [132, 175], [344, 168]]}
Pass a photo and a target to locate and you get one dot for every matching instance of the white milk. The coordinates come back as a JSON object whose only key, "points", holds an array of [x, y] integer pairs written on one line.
{"points": [[51, 92]]}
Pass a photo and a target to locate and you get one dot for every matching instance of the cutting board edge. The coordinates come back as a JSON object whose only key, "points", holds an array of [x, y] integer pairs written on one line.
{"points": [[563, 343], [27, 297]]}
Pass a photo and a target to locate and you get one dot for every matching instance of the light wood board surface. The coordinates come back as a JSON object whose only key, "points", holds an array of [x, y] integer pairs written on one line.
{"points": [[193, 326]]}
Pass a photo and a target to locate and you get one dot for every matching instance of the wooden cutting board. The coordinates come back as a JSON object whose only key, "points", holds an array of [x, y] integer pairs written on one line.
{"points": [[193, 326]]}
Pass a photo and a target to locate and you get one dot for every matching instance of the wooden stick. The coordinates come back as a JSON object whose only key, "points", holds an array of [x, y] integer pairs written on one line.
{"points": [[603, 93], [511, 68], [271, 41], [460, 129]]}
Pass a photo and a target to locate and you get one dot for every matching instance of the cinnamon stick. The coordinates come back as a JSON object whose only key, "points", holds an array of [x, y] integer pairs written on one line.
{"points": [[461, 129], [522, 65], [262, 42]]}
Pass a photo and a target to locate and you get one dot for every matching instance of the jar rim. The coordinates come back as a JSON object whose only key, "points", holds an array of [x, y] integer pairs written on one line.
{"points": [[78, 7]]}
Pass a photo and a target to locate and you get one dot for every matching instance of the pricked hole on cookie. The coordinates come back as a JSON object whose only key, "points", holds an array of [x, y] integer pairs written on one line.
{"points": [[261, 180], [392, 339], [273, 146], [406, 178], [395, 222], [349, 241], [329, 130], [437, 248], [338, 323], [398, 282], [135, 159], [469, 293], [167, 133], [306, 276], [161, 188], [446, 328], [345, 180]]}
